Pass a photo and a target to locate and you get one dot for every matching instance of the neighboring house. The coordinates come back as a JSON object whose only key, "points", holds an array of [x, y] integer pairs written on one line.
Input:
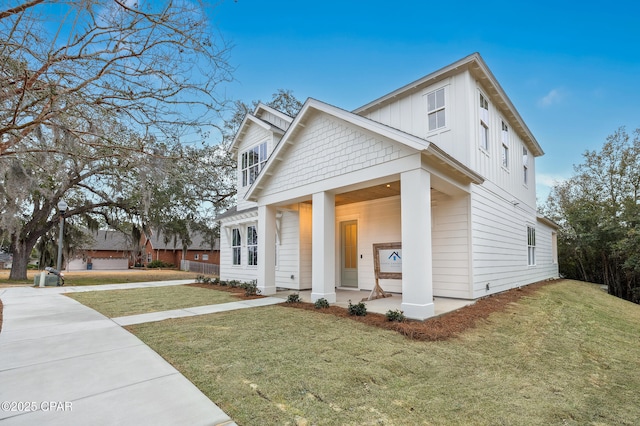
{"points": [[169, 250], [103, 250], [444, 165], [6, 260]]}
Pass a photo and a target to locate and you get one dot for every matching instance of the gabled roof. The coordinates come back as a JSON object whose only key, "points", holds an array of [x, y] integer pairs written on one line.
{"points": [[313, 105], [256, 118], [106, 240], [479, 69]]}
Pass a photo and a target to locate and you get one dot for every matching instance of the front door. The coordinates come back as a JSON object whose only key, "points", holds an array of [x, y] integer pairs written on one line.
{"points": [[349, 253]]}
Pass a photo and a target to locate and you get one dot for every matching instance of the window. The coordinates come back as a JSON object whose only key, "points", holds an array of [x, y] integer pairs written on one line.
{"points": [[236, 245], [252, 246], [484, 123], [505, 145], [196, 256], [435, 109], [525, 165], [205, 257], [531, 245], [252, 162], [554, 247]]}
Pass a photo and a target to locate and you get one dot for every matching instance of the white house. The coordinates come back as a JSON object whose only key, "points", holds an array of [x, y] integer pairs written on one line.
{"points": [[444, 165]]}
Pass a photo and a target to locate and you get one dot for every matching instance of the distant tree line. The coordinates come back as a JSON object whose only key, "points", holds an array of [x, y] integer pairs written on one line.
{"points": [[598, 210]]}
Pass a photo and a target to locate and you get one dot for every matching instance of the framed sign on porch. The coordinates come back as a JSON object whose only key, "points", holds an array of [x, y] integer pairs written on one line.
{"points": [[387, 264]]}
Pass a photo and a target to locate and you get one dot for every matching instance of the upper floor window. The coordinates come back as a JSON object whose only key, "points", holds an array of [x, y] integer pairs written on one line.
{"points": [[525, 165], [505, 145], [236, 247], [252, 246], [484, 123], [252, 162], [436, 109]]}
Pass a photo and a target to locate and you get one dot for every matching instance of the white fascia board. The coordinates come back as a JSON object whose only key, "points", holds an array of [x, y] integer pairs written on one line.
{"points": [[411, 141], [244, 124], [547, 222], [273, 111]]}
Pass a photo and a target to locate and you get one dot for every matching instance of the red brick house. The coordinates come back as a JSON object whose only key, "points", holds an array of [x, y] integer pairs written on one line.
{"points": [[169, 250]]}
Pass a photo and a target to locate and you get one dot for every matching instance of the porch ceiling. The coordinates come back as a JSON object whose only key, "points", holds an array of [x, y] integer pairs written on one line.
{"points": [[375, 192]]}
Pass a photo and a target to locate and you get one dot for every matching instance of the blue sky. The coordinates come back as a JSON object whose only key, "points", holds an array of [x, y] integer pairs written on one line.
{"points": [[572, 69]]}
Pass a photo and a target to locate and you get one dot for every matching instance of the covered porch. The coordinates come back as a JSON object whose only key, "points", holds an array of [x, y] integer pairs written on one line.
{"points": [[442, 305]]}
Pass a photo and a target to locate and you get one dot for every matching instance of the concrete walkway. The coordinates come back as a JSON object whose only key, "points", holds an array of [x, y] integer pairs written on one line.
{"points": [[62, 363]]}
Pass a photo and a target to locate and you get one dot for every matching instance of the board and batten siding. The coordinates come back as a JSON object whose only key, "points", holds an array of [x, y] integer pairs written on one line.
{"points": [[288, 251], [409, 114], [499, 241]]}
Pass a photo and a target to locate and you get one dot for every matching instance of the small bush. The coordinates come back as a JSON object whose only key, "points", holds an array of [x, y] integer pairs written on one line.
{"points": [[233, 283], [200, 278], [321, 303], [206, 280], [359, 309], [216, 281], [395, 315], [159, 264], [294, 298], [250, 288]]}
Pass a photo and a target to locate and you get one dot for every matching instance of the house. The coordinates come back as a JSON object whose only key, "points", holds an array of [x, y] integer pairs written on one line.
{"points": [[6, 260], [103, 250], [158, 246], [443, 168]]}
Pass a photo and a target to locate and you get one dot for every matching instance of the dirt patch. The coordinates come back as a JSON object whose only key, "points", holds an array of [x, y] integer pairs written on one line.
{"points": [[237, 291], [439, 328]]}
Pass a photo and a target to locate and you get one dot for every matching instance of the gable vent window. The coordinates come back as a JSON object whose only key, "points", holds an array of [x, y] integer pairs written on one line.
{"points": [[436, 109], [253, 160]]}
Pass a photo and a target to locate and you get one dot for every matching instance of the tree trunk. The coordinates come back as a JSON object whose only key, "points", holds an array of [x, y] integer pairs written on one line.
{"points": [[21, 254]]}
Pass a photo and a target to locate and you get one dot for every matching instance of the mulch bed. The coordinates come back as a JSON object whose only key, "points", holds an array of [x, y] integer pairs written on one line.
{"points": [[442, 327]]}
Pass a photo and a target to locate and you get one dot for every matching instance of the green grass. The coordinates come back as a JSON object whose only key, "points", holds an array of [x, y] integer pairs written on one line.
{"points": [[117, 303], [568, 355]]}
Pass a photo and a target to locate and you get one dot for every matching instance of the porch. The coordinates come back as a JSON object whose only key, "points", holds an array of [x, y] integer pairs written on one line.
{"points": [[442, 305]]}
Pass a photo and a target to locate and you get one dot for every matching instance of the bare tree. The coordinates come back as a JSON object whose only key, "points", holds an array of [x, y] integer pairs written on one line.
{"points": [[154, 65]]}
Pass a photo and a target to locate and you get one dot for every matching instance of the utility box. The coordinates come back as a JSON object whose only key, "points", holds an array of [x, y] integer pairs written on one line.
{"points": [[49, 280]]}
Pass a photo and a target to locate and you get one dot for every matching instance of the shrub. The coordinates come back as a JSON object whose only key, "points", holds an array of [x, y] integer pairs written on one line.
{"points": [[216, 281], [223, 283], [234, 283], [250, 288], [359, 309], [206, 280], [395, 315], [321, 303], [294, 298], [200, 278], [159, 264]]}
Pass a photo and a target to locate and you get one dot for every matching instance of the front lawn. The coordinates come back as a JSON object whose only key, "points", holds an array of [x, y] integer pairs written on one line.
{"points": [[118, 303], [569, 354]]}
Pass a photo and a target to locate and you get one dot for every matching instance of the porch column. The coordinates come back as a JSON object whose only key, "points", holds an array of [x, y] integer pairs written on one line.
{"points": [[323, 260], [417, 261], [266, 250]]}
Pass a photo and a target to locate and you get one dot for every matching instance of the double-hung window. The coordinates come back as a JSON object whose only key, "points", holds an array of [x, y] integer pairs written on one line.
{"points": [[484, 123], [531, 245], [525, 165], [252, 162], [236, 245], [436, 109], [252, 246], [505, 145]]}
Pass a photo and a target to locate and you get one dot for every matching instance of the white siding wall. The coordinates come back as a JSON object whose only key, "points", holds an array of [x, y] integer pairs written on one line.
{"points": [[275, 120], [288, 251], [450, 234], [228, 271], [499, 241]]}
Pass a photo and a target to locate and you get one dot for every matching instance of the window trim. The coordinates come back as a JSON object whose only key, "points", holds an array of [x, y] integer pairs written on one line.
{"points": [[437, 109], [236, 249], [252, 245], [531, 245], [504, 138], [249, 172], [525, 166]]}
